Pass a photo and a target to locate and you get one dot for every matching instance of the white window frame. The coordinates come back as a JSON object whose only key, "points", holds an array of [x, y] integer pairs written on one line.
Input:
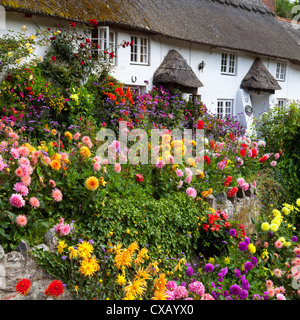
{"points": [[224, 108], [280, 71], [281, 102], [106, 40], [139, 51], [135, 89], [228, 63]]}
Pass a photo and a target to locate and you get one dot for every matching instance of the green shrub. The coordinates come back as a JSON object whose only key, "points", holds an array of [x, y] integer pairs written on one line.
{"points": [[169, 223]]}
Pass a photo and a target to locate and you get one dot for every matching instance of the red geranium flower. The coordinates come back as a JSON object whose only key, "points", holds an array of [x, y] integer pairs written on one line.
{"points": [[73, 24], [103, 124], [231, 136], [205, 227], [232, 192], [53, 58], [227, 224], [87, 40], [218, 227], [54, 289], [139, 178], [23, 286], [82, 62]]}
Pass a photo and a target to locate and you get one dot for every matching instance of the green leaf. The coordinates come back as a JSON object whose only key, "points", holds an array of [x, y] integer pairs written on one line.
{"points": [[3, 234]]}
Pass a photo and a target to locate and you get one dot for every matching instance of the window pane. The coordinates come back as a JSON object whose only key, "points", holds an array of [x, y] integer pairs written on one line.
{"points": [[231, 63], [220, 109], [224, 62], [134, 47], [94, 42], [144, 50], [280, 71], [228, 110], [103, 43]]}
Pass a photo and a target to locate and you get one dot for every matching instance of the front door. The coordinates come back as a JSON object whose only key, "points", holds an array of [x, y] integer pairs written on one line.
{"points": [[260, 104]]}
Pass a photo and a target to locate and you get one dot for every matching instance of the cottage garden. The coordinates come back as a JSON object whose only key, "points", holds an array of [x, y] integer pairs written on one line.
{"points": [[130, 230]]}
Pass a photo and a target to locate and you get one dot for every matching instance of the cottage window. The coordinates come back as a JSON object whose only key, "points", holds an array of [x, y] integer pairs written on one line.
{"points": [[103, 42], [280, 71], [281, 102], [224, 108], [228, 63], [139, 50], [135, 89]]}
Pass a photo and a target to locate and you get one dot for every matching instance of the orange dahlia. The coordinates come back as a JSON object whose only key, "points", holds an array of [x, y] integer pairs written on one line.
{"points": [[54, 289], [92, 183], [85, 152], [55, 164], [23, 286]]}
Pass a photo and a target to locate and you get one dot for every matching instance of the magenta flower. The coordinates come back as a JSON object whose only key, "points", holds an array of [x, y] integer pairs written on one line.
{"points": [[17, 200]]}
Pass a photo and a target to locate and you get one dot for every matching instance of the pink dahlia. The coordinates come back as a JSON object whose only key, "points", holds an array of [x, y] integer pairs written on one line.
{"points": [[181, 292], [207, 296], [171, 285], [57, 195], [21, 220], [17, 200], [191, 192], [197, 287], [34, 202], [21, 188], [170, 295]]}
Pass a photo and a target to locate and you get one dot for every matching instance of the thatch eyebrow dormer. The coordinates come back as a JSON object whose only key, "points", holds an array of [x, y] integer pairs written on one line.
{"points": [[174, 72], [259, 79]]}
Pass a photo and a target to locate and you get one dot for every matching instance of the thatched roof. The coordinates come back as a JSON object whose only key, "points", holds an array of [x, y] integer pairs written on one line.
{"points": [[175, 71], [259, 78], [246, 25], [293, 28]]}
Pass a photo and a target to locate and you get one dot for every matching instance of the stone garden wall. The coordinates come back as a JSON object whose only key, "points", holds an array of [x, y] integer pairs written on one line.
{"points": [[18, 264], [241, 207]]}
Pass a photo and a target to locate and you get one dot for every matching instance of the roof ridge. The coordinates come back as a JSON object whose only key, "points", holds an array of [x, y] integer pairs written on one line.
{"points": [[249, 5]]}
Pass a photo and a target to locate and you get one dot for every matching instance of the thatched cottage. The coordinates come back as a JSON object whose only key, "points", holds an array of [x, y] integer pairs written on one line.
{"points": [[233, 54]]}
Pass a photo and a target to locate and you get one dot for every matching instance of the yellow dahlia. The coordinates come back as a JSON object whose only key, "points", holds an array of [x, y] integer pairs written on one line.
{"points": [[121, 280], [92, 183], [140, 257], [134, 288], [89, 266], [85, 152], [73, 252], [61, 246], [85, 249], [68, 134], [55, 164]]}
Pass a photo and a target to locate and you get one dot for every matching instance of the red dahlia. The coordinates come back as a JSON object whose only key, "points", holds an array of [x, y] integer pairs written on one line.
{"points": [[54, 289], [227, 181], [232, 192], [23, 286], [243, 152], [139, 178], [200, 124]]}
